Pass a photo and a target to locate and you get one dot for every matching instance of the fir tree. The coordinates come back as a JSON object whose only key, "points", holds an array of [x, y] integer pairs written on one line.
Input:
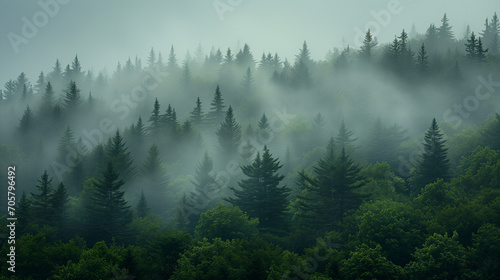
{"points": [[24, 213], [172, 66], [260, 195], [40, 83], [197, 113], [434, 163], [216, 113], [72, 100], [27, 121], [422, 59], [155, 119], [369, 43], [67, 145], [142, 208], [59, 202], [344, 138], [229, 134], [117, 154], [152, 59], [471, 47], [247, 82], [445, 34], [110, 210], [264, 131], [41, 201]]}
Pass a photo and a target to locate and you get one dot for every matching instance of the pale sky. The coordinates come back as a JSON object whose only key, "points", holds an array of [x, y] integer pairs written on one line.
{"points": [[105, 32]]}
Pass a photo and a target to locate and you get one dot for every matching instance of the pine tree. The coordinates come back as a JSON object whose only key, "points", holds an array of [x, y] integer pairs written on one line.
{"points": [[47, 100], [67, 145], [260, 196], [40, 83], [59, 202], [41, 201], [197, 113], [264, 132], [172, 66], [422, 59], [9, 90], [471, 47], [186, 74], [445, 34], [247, 82], [216, 113], [72, 100], [480, 51], [434, 163], [27, 121], [24, 213], [305, 56], [431, 38], [369, 43], [494, 43], [152, 59], [344, 138], [110, 210], [118, 155], [142, 208], [244, 58], [301, 76], [205, 189], [155, 119], [229, 134]]}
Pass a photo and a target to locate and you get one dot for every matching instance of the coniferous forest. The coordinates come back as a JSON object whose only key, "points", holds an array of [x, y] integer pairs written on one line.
{"points": [[376, 162]]}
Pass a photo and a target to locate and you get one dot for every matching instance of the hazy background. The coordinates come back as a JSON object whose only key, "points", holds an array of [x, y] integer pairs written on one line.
{"points": [[105, 32]]}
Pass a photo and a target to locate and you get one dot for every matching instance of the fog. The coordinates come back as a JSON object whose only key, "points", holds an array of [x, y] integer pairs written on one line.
{"points": [[114, 93]]}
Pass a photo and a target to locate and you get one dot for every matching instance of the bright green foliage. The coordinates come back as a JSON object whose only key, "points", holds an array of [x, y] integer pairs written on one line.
{"points": [[260, 196], [236, 259], [436, 195], [100, 262], [441, 257], [480, 170], [398, 228], [226, 223], [368, 263], [381, 183], [486, 252]]}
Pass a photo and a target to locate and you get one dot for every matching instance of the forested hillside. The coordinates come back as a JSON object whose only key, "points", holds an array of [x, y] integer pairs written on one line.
{"points": [[377, 162]]}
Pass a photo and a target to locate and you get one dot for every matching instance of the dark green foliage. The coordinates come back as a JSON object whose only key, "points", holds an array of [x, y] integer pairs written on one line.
{"points": [[434, 163], [197, 114], [229, 134], [41, 201], [118, 155], [27, 121], [216, 113], [110, 211], [492, 133], [155, 118], [142, 208], [366, 50], [260, 195], [72, 100], [328, 195]]}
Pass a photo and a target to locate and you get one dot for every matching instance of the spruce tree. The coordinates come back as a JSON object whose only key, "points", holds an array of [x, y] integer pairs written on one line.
{"points": [[433, 163], [24, 213], [47, 101], [41, 201], [197, 113], [110, 210], [260, 195], [172, 66], [142, 208], [247, 81], [72, 100], [344, 138], [216, 113], [59, 202], [366, 50], [118, 154], [471, 47], [422, 59], [264, 131], [445, 34], [155, 119], [229, 134], [27, 121]]}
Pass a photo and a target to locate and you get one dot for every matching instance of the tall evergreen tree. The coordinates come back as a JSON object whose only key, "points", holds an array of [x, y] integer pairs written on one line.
{"points": [[229, 134], [172, 65], [344, 138], [41, 201], [111, 213], [197, 113], [422, 59], [366, 50], [119, 156], [471, 47], [47, 101], [445, 34], [216, 113], [152, 59], [260, 195], [155, 119], [59, 202], [27, 121], [434, 163], [72, 100], [247, 82], [142, 208]]}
